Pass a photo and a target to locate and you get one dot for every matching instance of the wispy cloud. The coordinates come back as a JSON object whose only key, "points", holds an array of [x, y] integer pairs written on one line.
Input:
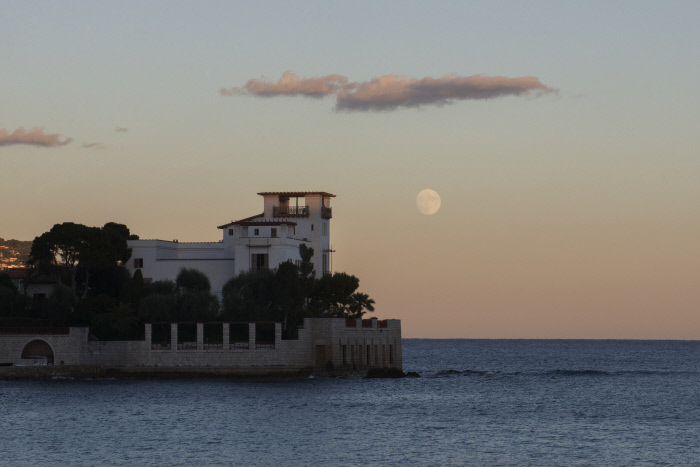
{"points": [[35, 137], [120, 129], [390, 92], [90, 145], [290, 85]]}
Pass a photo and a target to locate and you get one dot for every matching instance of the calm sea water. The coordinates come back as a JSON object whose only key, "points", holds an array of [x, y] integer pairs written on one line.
{"points": [[478, 402]]}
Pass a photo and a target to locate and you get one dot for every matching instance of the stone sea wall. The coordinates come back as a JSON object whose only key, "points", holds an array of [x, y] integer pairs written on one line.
{"points": [[324, 346]]}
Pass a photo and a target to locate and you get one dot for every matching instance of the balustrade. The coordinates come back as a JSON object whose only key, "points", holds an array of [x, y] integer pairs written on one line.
{"points": [[290, 211]]}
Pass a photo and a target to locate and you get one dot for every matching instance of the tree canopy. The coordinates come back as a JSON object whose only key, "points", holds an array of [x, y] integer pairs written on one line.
{"points": [[188, 299], [290, 293], [92, 286], [95, 288], [71, 252]]}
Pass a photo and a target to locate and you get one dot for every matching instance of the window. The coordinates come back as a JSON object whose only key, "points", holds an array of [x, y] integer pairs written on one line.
{"points": [[312, 227], [138, 263], [230, 231], [39, 297], [257, 231], [325, 263], [273, 233], [258, 261], [324, 227]]}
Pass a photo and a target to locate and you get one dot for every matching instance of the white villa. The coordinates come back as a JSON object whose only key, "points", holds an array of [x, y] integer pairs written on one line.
{"points": [[266, 240], [324, 346]]}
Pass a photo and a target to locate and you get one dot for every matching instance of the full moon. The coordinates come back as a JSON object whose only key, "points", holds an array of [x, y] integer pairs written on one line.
{"points": [[428, 202]]}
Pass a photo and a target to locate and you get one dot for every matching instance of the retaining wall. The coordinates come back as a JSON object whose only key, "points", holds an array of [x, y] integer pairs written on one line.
{"points": [[324, 344]]}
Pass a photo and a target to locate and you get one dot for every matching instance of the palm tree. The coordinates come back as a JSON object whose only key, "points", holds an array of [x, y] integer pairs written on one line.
{"points": [[359, 302]]}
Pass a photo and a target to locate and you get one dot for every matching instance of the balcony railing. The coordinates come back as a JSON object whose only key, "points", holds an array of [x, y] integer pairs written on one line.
{"points": [[290, 211], [326, 213], [35, 330], [218, 346]]}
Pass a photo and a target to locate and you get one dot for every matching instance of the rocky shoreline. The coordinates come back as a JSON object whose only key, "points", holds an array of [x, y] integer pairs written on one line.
{"points": [[86, 372], [37, 373]]}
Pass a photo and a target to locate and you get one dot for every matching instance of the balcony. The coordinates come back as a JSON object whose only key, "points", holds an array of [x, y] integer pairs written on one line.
{"points": [[326, 213], [290, 211]]}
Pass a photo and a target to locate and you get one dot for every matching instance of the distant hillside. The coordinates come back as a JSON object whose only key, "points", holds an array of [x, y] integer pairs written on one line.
{"points": [[14, 253]]}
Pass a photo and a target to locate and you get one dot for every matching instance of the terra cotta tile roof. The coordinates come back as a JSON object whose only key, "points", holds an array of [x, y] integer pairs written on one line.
{"points": [[297, 193], [247, 219]]}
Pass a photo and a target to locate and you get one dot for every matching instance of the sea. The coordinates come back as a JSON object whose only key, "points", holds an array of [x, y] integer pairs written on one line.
{"points": [[476, 402]]}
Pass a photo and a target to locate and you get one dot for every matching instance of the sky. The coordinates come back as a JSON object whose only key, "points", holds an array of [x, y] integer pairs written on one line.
{"points": [[562, 138]]}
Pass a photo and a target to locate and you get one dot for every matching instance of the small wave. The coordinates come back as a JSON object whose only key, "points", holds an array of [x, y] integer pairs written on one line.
{"points": [[475, 373], [609, 373], [448, 372], [546, 373], [460, 373], [62, 378], [577, 373]]}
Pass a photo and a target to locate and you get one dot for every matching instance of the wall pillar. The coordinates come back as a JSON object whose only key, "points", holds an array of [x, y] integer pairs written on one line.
{"points": [[173, 336], [148, 330], [200, 336], [399, 354], [227, 335], [278, 333], [251, 336]]}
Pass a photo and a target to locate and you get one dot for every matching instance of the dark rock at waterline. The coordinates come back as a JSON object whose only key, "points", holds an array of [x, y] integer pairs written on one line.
{"points": [[390, 373]]}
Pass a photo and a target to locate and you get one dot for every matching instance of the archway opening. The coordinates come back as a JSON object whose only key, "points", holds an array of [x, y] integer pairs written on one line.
{"points": [[38, 349]]}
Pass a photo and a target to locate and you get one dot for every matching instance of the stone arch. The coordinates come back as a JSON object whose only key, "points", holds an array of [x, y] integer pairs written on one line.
{"points": [[38, 348]]}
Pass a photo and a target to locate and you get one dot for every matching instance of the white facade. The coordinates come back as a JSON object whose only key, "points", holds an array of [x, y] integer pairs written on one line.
{"points": [[289, 219]]}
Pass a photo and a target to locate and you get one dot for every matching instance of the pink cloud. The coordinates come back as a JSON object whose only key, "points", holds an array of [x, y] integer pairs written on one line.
{"points": [[90, 145], [290, 85], [390, 92], [35, 137], [120, 129]]}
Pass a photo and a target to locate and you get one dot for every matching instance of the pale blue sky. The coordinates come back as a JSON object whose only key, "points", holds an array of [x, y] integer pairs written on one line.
{"points": [[572, 214]]}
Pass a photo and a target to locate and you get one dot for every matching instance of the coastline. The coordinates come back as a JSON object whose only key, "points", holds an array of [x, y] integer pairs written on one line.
{"points": [[85, 372]]}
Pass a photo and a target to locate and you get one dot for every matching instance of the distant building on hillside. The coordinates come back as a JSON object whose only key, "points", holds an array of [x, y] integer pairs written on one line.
{"points": [[263, 241], [31, 282], [14, 253]]}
